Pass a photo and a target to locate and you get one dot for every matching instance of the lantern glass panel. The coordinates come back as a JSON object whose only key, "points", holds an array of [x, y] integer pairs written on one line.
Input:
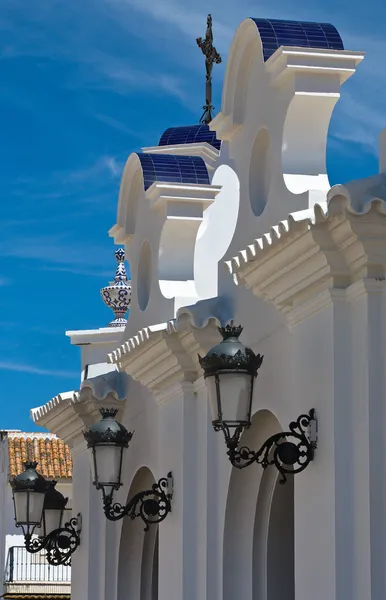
{"points": [[235, 394], [108, 460], [29, 507], [52, 520], [213, 398]]}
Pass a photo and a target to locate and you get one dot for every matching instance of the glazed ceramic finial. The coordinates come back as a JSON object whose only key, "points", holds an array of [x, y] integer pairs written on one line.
{"points": [[117, 295]]}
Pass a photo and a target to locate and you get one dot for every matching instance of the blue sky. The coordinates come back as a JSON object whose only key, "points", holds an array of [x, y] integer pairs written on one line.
{"points": [[83, 84]]}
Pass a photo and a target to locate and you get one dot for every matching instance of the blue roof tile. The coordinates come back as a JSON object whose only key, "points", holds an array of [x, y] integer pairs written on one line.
{"points": [[171, 168], [276, 32], [189, 135]]}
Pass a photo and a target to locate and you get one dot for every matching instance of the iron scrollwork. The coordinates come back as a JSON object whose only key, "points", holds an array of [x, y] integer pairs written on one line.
{"points": [[59, 544], [152, 506], [290, 451]]}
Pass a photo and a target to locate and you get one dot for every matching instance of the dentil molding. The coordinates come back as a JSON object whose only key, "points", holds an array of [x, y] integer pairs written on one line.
{"points": [[166, 355], [300, 259]]}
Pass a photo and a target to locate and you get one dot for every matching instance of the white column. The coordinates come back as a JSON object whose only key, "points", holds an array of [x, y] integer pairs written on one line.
{"points": [[324, 514], [369, 437], [179, 439], [88, 563]]}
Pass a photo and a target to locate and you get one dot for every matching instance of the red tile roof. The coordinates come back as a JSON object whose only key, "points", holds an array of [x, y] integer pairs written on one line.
{"points": [[52, 455]]}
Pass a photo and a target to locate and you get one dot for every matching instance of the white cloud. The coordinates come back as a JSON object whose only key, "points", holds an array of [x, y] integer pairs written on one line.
{"points": [[113, 166], [185, 19], [53, 249], [26, 368], [120, 126], [82, 272], [168, 28], [99, 168]]}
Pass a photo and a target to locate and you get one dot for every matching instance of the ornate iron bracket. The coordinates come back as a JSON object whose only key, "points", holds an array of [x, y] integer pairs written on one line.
{"points": [[60, 544], [290, 451], [152, 506]]}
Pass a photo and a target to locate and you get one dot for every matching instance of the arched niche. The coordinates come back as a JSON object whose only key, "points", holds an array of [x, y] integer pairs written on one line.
{"points": [[273, 546], [138, 550], [216, 231], [252, 523], [144, 275], [260, 171], [130, 193]]}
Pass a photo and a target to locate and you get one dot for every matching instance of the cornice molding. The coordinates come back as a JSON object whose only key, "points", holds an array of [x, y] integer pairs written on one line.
{"points": [[166, 356], [176, 198], [300, 259], [68, 414]]}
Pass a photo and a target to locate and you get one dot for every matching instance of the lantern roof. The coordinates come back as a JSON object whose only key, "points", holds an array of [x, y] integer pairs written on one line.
{"points": [[108, 430], [230, 354], [30, 479]]}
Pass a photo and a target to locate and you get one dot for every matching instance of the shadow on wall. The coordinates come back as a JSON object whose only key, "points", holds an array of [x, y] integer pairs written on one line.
{"points": [[259, 522], [138, 551], [216, 232]]}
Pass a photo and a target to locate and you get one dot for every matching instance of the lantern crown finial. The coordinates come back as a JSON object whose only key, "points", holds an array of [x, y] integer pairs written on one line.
{"points": [[108, 412], [231, 331], [107, 431], [30, 464]]}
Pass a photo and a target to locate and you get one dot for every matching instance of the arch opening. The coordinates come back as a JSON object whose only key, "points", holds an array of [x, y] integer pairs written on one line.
{"points": [[259, 523], [138, 551]]}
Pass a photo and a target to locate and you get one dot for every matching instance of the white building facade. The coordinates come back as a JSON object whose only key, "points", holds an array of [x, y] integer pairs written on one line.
{"points": [[204, 221]]}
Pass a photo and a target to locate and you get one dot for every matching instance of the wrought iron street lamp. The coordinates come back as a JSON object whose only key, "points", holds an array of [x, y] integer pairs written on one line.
{"points": [[107, 441], [230, 369], [39, 511]]}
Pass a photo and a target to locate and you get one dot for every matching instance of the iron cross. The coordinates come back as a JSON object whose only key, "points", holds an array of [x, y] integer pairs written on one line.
{"points": [[211, 57]]}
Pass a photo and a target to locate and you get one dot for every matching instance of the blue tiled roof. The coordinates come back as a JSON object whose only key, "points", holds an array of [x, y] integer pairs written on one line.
{"points": [[189, 135], [276, 32], [173, 169]]}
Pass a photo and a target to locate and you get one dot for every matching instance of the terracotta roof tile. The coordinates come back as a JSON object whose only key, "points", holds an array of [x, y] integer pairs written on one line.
{"points": [[52, 455]]}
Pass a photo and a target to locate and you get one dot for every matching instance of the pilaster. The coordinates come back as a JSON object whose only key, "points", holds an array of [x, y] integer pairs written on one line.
{"points": [[89, 573], [179, 437], [68, 415], [369, 418], [324, 493]]}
